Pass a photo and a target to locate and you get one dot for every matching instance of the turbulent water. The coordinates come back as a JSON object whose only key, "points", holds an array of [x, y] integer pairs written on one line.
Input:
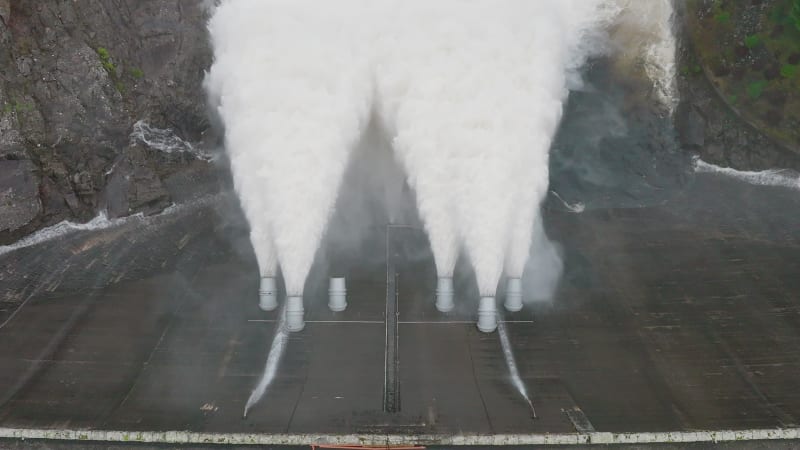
{"points": [[290, 82], [772, 177], [164, 140], [470, 93]]}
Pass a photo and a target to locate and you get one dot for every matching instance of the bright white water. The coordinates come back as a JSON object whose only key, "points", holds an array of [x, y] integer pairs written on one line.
{"points": [[291, 83], [163, 140], [772, 177], [644, 38], [511, 363], [473, 93], [276, 351], [100, 222], [470, 94]]}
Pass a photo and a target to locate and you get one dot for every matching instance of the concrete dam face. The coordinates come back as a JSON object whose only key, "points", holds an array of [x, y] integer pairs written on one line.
{"points": [[433, 224]]}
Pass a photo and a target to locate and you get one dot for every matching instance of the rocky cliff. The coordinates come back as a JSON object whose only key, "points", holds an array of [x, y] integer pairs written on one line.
{"points": [[735, 111], [76, 77]]}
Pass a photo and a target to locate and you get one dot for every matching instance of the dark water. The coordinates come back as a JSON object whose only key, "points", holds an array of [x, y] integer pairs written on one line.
{"points": [[616, 147]]}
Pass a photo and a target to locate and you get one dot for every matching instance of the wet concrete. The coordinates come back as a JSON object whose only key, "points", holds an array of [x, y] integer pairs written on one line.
{"points": [[682, 316]]}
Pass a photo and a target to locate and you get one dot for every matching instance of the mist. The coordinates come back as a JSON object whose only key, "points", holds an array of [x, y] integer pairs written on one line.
{"points": [[468, 94]]}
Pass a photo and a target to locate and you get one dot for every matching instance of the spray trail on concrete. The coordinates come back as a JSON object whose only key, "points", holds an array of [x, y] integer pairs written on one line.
{"points": [[276, 351], [101, 222], [291, 84], [511, 362], [772, 177]]}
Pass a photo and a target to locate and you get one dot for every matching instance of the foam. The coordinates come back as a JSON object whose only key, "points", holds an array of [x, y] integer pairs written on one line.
{"points": [[773, 177]]}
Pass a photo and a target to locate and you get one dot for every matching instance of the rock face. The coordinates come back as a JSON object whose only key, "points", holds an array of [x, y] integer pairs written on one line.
{"points": [[706, 122], [19, 196], [74, 78], [134, 186]]}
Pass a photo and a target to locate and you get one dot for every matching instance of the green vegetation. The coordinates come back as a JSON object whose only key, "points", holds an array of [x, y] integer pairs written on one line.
{"points": [[694, 69], [794, 14], [752, 41], [750, 52], [105, 60], [755, 88], [108, 64], [16, 107]]}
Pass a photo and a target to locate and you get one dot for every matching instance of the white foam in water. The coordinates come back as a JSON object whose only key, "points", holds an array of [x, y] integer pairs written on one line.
{"points": [[164, 140], [63, 228], [643, 31], [577, 207], [100, 222], [772, 177]]}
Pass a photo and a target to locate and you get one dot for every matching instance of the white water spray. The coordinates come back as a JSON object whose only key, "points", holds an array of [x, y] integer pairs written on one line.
{"points": [[102, 222], [511, 362], [276, 351], [164, 140], [645, 41], [292, 86], [474, 92], [773, 177]]}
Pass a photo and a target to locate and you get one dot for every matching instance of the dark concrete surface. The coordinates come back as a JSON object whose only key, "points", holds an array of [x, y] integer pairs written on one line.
{"points": [[684, 316], [54, 445]]}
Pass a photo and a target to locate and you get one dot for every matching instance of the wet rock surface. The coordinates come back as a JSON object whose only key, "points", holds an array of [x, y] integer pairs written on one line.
{"points": [[76, 77], [19, 199]]}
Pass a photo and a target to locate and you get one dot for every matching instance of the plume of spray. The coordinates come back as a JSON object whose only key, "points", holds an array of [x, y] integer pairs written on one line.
{"points": [[293, 89], [643, 39], [473, 92]]}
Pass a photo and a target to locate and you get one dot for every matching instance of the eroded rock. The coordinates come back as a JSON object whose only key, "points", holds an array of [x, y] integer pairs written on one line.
{"points": [[75, 78], [134, 186], [19, 195]]}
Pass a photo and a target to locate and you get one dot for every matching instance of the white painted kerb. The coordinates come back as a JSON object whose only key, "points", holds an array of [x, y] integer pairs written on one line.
{"points": [[189, 437]]}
